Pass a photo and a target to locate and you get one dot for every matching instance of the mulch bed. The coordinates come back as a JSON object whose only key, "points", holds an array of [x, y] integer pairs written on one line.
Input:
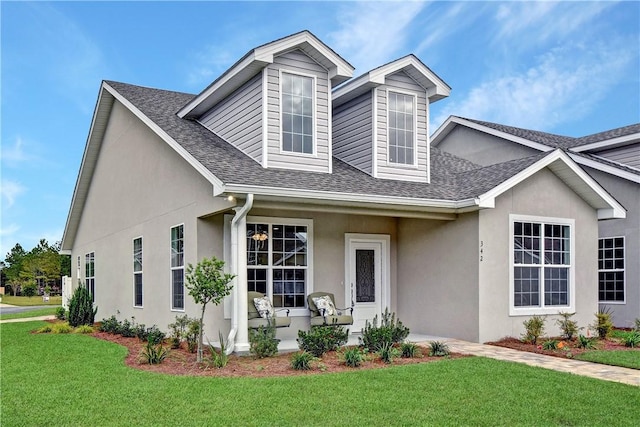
{"points": [[181, 362], [569, 350]]}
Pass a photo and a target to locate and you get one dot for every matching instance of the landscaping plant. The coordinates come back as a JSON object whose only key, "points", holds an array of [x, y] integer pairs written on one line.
{"points": [[388, 352], [207, 283], [353, 357], [409, 350], [61, 328], [321, 339], [302, 361], [585, 342], [178, 330], [81, 310], [153, 354], [83, 329], [219, 358], [390, 331], [534, 329], [550, 345], [263, 342], [110, 325], [568, 327], [637, 325], [603, 324], [438, 348], [193, 332], [631, 339], [61, 313]]}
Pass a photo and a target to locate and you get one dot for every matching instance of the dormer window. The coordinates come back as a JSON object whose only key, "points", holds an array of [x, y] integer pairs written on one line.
{"points": [[401, 128], [297, 113]]}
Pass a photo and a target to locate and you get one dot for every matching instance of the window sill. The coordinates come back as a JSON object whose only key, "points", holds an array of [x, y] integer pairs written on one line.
{"points": [[539, 311], [613, 302]]}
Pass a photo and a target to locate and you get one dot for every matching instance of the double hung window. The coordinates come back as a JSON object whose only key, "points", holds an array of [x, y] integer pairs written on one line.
{"points": [[137, 272], [177, 267], [401, 128], [611, 269], [297, 113], [89, 274]]}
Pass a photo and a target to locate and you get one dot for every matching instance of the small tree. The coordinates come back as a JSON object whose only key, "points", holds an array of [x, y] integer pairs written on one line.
{"points": [[207, 283], [81, 311]]}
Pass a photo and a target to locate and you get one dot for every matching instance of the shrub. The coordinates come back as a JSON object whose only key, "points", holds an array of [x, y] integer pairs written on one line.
{"points": [[192, 333], [263, 342], [603, 324], [220, 358], [353, 357], [83, 329], [409, 350], [61, 313], [438, 348], [140, 331], [637, 325], [29, 290], [302, 361], [631, 339], [61, 328], [153, 354], [321, 339], [550, 345], [81, 310], [178, 330], [585, 342], [388, 352], [154, 335], [127, 329], [390, 331], [44, 330], [110, 325], [568, 327], [534, 328]]}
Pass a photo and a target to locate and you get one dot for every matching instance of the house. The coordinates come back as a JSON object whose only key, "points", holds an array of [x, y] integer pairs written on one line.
{"points": [[305, 179], [612, 158]]}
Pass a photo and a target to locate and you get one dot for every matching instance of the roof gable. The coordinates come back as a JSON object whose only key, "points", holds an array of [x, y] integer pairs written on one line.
{"points": [[256, 59]]}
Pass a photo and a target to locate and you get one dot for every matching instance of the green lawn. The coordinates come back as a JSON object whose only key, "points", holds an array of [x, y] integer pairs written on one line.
{"points": [[30, 313], [625, 358], [51, 380], [26, 301]]}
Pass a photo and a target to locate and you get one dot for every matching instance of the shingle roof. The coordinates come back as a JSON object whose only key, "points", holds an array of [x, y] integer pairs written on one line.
{"points": [[452, 178]]}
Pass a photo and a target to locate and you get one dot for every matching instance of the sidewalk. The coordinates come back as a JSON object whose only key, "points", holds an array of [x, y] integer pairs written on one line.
{"points": [[577, 367], [29, 319]]}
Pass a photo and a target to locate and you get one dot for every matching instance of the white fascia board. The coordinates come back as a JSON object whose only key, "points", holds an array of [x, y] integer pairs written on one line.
{"points": [[613, 209], [608, 143], [453, 120], [218, 185], [443, 130], [451, 205], [621, 173]]}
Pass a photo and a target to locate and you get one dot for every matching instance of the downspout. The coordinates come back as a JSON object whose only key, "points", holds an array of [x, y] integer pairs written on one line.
{"points": [[238, 218]]}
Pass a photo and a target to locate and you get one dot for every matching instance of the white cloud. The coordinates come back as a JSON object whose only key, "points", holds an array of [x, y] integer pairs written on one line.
{"points": [[208, 64], [564, 84], [19, 154], [372, 32], [9, 230], [10, 190]]}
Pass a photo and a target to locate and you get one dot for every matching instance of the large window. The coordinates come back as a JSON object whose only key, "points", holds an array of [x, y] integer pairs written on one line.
{"points": [[89, 274], [137, 272], [542, 265], [401, 128], [177, 267], [278, 260], [297, 113], [611, 269]]}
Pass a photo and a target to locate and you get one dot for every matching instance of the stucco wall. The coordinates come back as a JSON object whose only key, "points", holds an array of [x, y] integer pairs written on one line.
{"points": [[438, 276], [140, 188], [628, 194], [542, 195]]}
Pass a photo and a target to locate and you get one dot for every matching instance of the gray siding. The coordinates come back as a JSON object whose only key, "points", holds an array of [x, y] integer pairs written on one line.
{"points": [[482, 148], [402, 82], [297, 62], [238, 119], [628, 155], [353, 133]]}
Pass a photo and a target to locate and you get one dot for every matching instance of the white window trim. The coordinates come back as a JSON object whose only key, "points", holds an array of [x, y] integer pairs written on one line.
{"points": [[542, 309], [294, 312], [413, 165], [86, 285], [141, 272], [624, 272], [171, 269], [314, 137]]}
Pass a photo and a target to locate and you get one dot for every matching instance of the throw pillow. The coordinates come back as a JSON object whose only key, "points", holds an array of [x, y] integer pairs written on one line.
{"points": [[264, 307], [325, 303]]}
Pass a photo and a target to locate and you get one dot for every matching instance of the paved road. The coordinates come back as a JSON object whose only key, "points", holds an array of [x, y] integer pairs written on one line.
{"points": [[6, 308]]}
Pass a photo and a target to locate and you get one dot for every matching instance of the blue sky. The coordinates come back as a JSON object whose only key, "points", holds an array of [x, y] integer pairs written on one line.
{"points": [[571, 68]]}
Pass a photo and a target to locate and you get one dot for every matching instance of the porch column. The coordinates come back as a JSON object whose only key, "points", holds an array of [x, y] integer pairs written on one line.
{"points": [[242, 336]]}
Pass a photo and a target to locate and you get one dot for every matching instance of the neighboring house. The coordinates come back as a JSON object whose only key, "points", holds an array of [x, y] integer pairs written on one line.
{"points": [[612, 158], [303, 179]]}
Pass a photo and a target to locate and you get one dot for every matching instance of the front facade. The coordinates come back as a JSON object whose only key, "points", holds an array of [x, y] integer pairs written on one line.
{"points": [[301, 188], [612, 158]]}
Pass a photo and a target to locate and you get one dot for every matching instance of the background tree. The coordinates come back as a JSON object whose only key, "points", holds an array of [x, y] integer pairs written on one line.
{"points": [[207, 283], [13, 266], [43, 265]]}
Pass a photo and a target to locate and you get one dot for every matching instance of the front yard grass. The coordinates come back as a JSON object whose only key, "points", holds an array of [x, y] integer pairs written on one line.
{"points": [[79, 380], [624, 358], [30, 313], [28, 301]]}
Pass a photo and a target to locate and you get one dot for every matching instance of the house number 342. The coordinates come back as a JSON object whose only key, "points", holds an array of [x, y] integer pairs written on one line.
{"points": [[481, 250]]}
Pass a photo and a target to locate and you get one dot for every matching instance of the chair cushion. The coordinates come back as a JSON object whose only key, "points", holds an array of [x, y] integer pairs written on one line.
{"points": [[278, 322], [332, 320], [264, 307], [325, 303]]}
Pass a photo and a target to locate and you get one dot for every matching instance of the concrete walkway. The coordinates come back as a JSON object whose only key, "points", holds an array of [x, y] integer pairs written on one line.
{"points": [[577, 367], [29, 319]]}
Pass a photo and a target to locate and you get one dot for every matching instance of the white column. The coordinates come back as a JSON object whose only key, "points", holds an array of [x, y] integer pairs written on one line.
{"points": [[242, 336]]}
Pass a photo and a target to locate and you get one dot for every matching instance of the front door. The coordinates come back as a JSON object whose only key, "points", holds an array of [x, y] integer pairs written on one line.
{"points": [[367, 281]]}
